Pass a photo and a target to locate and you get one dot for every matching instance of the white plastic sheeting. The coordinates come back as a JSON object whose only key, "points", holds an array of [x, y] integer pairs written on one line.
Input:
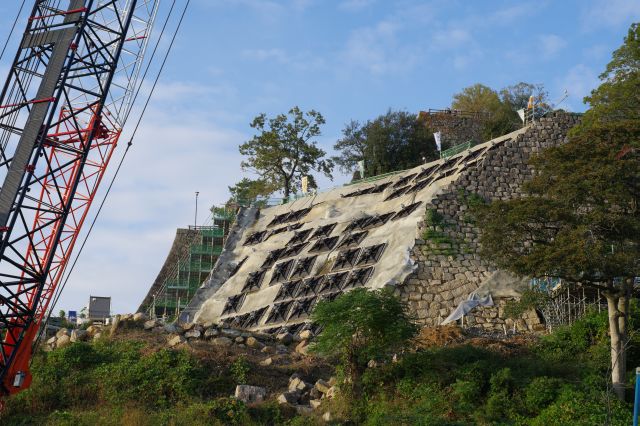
{"points": [[466, 306]]}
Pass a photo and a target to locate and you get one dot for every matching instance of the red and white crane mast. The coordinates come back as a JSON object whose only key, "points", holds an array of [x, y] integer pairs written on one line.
{"points": [[69, 91]]}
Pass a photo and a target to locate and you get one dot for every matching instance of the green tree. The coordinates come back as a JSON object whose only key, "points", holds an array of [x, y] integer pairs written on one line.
{"points": [[392, 141], [284, 151], [500, 108], [352, 147], [247, 190], [359, 326], [62, 314], [499, 118], [580, 220]]}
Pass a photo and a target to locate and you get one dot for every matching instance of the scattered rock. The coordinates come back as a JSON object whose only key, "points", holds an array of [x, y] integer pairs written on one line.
{"points": [[176, 340], [322, 386], [298, 384], [288, 398], [281, 349], [52, 340], [284, 338], [62, 332], [192, 334], [327, 417], [63, 341], [250, 394], [254, 343], [171, 328], [79, 335], [93, 329], [187, 326], [239, 339], [315, 393], [372, 363], [303, 347], [315, 403], [306, 334], [229, 332], [148, 325], [211, 332], [222, 341], [267, 362], [97, 336], [331, 392], [268, 350], [139, 316]]}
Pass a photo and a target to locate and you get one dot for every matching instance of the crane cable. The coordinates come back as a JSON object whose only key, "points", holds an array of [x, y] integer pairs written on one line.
{"points": [[115, 175], [13, 27]]}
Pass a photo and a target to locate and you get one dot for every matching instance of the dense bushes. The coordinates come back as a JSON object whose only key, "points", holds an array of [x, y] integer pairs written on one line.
{"points": [[561, 380], [115, 382]]}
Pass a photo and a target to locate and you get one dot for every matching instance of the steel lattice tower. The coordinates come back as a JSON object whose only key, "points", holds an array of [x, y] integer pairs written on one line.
{"points": [[66, 98]]}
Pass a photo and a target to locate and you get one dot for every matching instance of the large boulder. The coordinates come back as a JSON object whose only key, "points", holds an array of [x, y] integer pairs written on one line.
{"points": [[192, 334], [148, 325], [322, 386], [284, 338], [297, 384], [222, 341], [93, 329], [211, 332], [288, 398], [139, 317], [63, 332], [79, 335], [63, 341], [230, 332], [250, 394], [176, 340], [254, 343]]}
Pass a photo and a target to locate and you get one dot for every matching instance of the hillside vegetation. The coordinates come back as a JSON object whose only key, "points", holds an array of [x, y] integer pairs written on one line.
{"points": [[132, 379]]}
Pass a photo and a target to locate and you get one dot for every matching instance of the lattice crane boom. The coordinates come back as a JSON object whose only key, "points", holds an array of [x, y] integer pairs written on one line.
{"points": [[63, 106]]}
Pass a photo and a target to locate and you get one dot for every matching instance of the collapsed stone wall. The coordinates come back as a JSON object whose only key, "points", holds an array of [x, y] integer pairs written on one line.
{"points": [[448, 266], [411, 230]]}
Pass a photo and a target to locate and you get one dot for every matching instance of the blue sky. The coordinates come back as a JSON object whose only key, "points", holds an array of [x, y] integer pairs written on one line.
{"points": [[349, 59]]}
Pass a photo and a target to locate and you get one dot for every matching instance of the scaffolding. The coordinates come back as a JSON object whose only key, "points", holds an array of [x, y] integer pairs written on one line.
{"points": [[194, 265]]}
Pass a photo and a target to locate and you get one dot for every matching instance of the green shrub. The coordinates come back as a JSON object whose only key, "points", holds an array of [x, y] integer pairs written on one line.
{"points": [[362, 325], [239, 370], [574, 407], [541, 392]]}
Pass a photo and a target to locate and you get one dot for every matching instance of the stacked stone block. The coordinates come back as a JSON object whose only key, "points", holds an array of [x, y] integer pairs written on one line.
{"points": [[448, 267]]}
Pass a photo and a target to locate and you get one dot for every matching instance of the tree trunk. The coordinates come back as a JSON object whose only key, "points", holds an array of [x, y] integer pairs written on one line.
{"points": [[287, 190], [617, 317]]}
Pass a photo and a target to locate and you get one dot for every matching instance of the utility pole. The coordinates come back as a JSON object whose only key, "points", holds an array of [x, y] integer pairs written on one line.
{"points": [[195, 219]]}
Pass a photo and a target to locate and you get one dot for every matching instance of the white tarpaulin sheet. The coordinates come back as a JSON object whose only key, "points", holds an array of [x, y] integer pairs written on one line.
{"points": [[467, 306]]}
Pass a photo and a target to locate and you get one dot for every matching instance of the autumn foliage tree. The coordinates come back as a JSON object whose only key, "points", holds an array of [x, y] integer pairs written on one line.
{"points": [[580, 220]]}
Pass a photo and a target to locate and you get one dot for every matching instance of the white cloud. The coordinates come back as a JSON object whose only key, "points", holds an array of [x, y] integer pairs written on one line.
{"points": [[578, 81], [377, 50], [301, 60], [355, 5], [609, 13], [275, 54], [550, 45], [177, 151], [451, 38]]}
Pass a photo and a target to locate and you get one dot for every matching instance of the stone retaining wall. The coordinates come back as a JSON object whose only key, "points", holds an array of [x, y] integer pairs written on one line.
{"points": [[448, 268]]}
